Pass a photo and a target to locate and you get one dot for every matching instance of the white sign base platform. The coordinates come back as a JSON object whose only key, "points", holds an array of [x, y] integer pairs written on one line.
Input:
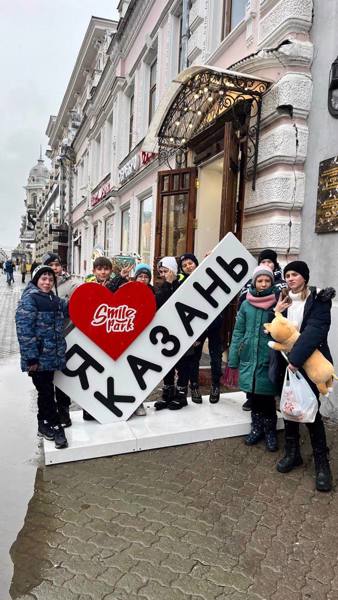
{"points": [[159, 429]]}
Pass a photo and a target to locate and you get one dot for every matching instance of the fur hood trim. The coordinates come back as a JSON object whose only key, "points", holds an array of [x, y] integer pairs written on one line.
{"points": [[325, 294]]}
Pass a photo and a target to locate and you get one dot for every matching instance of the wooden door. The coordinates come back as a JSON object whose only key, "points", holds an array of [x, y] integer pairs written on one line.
{"points": [[233, 189]]}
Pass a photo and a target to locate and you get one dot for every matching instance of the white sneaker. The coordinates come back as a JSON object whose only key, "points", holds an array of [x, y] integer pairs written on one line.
{"points": [[140, 411]]}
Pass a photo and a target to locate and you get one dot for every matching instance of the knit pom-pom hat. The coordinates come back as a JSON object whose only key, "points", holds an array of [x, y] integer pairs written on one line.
{"points": [[262, 270]]}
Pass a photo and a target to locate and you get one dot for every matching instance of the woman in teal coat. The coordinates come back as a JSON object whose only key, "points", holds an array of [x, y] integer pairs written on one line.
{"points": [[249, 352]]}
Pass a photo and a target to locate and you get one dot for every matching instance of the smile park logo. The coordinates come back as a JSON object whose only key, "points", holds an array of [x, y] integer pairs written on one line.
{"points": [[114, 318]]}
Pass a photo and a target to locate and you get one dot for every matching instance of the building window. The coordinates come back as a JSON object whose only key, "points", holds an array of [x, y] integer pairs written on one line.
{"points": [[97, 164], [125, 229], [233, 14], [152, 90], [109, 144], [146, 211], [180, 46], [95, 234], [131, 121], [108, 236]]}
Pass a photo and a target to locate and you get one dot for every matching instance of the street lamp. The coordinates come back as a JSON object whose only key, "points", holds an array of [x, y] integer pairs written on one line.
{"points": [[333, 90]]}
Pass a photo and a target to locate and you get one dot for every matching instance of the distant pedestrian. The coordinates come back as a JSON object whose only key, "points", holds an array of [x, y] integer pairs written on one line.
{"points": [[39, 323], [23, 269], [9, 270]]}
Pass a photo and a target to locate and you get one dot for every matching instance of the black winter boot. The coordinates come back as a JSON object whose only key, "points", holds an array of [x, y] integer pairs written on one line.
{"points": [[168, 394], [214, 394], [196, 395], [180, 399], [257, 429], [320, 454], [292, 457], [323, 471], [270, 432], [64, 416]]}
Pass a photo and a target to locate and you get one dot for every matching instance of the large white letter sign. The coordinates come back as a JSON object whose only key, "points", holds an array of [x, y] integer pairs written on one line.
{"points": [[111, 390]]}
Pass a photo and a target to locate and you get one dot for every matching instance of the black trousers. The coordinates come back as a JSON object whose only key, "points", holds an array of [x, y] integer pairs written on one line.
{"points": [[316, 431], [182, 374], [47, 411], [260, 403], [62, 400], [215, 345]]}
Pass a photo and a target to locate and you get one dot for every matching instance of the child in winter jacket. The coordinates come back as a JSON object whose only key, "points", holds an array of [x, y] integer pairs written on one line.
{"points": [[173, 397], [267, 258], [39, 322], [187, 265], [250, 352]]}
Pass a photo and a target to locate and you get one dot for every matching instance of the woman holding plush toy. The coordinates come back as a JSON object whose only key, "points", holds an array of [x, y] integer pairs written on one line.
{"points": [[311, 310]]}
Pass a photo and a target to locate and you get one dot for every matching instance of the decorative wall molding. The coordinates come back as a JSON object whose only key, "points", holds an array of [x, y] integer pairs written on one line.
{"points": [[288, 16], [272, 235], [278, 191], [295, 54], [196, 15], [284, 144], [292, 93]]}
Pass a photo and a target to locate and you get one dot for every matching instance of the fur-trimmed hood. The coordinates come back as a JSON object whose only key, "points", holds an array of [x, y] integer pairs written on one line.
{"points": [[324, 294]]}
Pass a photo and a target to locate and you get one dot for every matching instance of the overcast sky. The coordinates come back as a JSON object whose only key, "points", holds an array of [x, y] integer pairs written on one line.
{"points": [[40, 40]]}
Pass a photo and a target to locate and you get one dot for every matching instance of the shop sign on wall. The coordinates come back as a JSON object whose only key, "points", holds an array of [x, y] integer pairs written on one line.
{"points": [[100, 194], [134, 164], [327, 198]]}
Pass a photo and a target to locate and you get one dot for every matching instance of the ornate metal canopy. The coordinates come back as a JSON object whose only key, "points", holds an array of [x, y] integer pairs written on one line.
{"points": [[202, 98]]}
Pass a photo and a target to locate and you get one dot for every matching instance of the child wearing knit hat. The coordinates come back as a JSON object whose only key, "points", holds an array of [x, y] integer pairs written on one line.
{"points": [[173, 397], [267, 257], [249, 352], [40, 320]]}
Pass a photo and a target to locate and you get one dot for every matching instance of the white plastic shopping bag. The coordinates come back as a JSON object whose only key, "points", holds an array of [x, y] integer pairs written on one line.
{"points": [[329, 407], [298, 401]]}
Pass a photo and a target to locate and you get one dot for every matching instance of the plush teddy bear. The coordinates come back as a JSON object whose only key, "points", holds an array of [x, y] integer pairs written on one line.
{"points": [[317, 367]]}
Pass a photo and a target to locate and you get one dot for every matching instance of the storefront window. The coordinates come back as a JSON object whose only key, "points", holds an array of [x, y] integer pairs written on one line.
{"points": [[146, 211], [108, 236], [125, 228]]}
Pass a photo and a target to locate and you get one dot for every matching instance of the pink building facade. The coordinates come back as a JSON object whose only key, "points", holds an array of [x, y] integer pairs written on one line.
{"points": [[139, 187]]}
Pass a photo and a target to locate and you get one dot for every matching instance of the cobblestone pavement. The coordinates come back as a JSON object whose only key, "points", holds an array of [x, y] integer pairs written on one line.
{"points": [[203, 521]]}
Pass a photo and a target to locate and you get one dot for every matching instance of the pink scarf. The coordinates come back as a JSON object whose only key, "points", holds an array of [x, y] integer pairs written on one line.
{"points": [[263, 302]]}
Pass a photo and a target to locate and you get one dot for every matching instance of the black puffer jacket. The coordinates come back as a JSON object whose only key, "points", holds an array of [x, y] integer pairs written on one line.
{"points": [[314, 331], [166, 290], [314, 328]]}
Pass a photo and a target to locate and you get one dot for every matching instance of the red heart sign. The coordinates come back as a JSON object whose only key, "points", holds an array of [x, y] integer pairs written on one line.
{"points": [[112, 320]]}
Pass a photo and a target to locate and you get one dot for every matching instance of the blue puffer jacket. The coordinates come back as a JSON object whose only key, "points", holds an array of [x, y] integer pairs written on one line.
{"points": [[39, 325]]}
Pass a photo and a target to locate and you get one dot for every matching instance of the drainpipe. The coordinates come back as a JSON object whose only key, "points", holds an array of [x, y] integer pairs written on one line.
{"points": [[70, 224], [185, 32]]}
